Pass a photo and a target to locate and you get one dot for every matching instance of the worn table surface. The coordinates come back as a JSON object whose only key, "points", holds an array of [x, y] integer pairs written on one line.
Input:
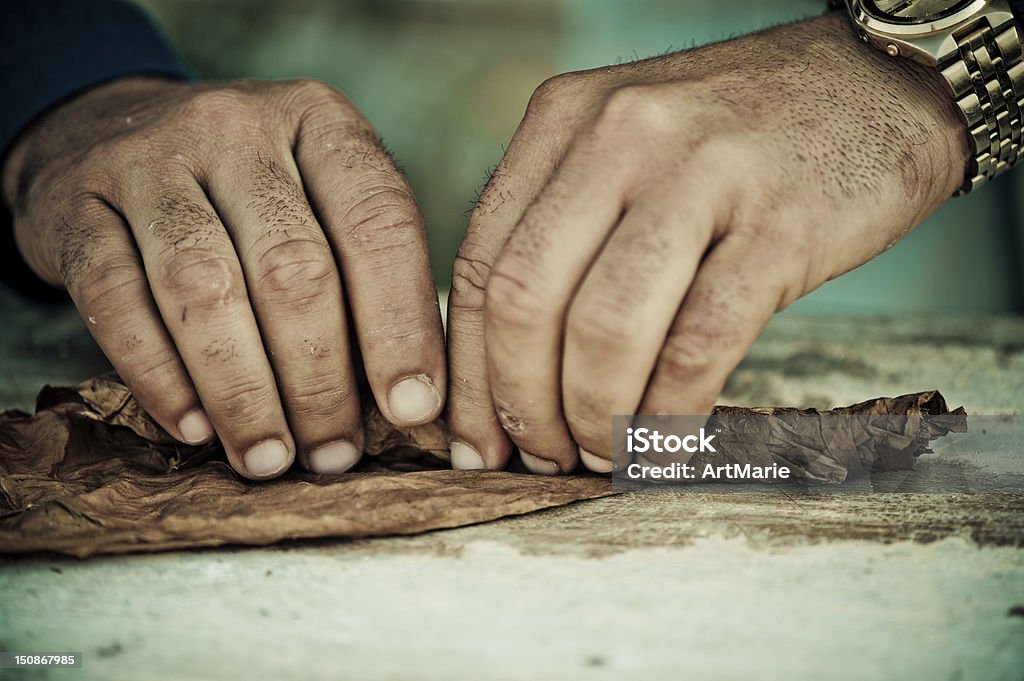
{"points": [[707, 584]]}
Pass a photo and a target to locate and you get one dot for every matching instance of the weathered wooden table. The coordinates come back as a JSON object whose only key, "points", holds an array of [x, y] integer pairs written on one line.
{"points": [[703, 585]]}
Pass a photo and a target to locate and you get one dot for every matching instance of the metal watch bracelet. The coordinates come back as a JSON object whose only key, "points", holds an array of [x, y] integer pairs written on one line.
{"points": [[986, 77]]}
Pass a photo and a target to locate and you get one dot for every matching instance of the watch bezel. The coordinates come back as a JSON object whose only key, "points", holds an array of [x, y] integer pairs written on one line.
{"points": [[889, 26], [871, 8]]}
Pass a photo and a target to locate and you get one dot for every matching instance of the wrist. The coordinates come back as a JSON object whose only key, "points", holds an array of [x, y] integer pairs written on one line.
{"points": [[943, 159]]}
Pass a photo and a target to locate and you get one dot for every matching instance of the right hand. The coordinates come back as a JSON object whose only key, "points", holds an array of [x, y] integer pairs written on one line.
{"points": [[645, 224], [214, 237]]}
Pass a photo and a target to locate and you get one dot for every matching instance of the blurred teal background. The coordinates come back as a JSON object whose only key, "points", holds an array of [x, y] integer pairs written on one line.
{"points": [[446, 81]]}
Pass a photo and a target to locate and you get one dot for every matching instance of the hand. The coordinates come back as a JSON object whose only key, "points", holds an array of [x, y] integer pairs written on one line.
{"points": [[214, 237], [648, 219]]}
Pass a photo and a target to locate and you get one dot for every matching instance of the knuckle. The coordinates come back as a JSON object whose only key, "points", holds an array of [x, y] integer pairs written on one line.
{"points": [[244, 402], [635, 107], [218, 110], [321, 398], [298, 271], [107, 286], [202, 280], [383, 219], [213, 101], [559, 96], [310, 91], [296, 261], [327, 120], [685, 357], [510, 302], [548, 95], [598, 331], [156, 376], [408, 333], [469, 280]]}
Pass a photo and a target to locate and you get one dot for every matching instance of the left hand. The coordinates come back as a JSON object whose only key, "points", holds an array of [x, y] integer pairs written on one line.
{"points": [[648, 220], [218, 239]]}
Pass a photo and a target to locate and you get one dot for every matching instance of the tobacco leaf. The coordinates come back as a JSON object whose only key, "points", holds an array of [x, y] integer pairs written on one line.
{"points": [[90, 473], [884, 434]]}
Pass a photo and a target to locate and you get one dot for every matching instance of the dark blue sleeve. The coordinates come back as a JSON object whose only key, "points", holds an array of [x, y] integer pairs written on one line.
{"points": [[51, 50]]}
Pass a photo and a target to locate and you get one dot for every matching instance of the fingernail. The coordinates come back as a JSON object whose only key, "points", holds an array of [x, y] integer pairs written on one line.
{"points": [[595, 463], [414, 399], [195, 427], [538, 465], [266, 458], [333, 458], [465, 458]]}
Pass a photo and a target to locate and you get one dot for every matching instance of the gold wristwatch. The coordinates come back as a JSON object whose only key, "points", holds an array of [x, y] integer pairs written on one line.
{"points": [[976, 46]]}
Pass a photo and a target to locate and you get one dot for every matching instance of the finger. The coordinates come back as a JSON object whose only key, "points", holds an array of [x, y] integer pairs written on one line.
{"points": [[736, 291], [375, 225], [104, 276], [623, 310], [528, 294], [296, 294], [200, 291], [478, 439]]}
